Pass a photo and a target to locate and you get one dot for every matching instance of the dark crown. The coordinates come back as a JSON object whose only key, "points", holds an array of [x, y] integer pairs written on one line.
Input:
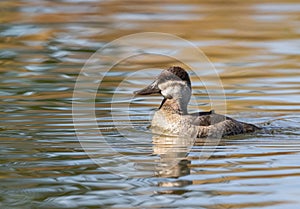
{"points": [[180, 73]]}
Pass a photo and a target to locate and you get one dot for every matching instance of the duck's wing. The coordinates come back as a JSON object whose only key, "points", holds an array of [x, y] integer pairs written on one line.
{"points": [[212, 123], [226, 128]]}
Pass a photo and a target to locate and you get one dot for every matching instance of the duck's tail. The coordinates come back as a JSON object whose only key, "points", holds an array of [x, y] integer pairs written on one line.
{"points": [[250, 127]]}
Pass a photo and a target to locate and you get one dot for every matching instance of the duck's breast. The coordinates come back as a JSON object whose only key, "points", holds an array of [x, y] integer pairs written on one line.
{"points": [[172, 124]]}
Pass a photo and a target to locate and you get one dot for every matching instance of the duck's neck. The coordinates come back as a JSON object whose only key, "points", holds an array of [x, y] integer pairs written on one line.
{"points": [[174, 106]]}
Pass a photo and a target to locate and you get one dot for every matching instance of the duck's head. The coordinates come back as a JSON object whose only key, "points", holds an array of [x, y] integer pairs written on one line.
{"points": [[174, 85]]}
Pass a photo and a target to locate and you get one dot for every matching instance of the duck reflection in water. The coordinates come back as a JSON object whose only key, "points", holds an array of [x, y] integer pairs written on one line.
{"points": [[173, 162], [173, 153]]}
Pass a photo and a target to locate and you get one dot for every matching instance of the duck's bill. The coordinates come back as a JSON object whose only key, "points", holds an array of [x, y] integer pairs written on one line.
{"points": [[151, 89]]}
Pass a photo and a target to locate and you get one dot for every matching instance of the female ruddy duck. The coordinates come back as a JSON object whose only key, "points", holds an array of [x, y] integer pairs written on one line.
{"points": [[172, 117]]}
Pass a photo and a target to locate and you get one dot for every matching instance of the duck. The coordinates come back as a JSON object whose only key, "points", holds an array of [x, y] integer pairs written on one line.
{"points": [[172, 117]]}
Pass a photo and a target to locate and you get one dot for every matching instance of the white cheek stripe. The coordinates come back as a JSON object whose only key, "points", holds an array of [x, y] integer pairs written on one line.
{"points": [[175, 89]]}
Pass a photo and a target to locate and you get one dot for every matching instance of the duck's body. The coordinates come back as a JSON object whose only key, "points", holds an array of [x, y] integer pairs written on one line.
{"points": [[202, 124], [172, 117]]}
